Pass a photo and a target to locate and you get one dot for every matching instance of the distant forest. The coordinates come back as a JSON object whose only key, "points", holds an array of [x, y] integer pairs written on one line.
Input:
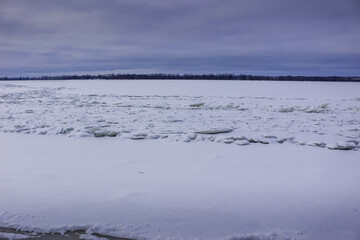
{"points": [[161, 76]]}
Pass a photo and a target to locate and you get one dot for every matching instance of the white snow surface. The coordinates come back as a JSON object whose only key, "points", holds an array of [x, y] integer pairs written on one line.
{"points": [[169, 190], [306, 113], [160, 179]]}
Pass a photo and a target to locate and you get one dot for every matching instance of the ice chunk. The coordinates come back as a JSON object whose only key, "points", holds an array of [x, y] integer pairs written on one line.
{"points": [[138, 136], [270, 136], [242, 108], [66, 130], [106, 133], [324, 105], [258, 140], [242, 142], [197, 105], [314, 110], [353, 141], [286, 109], [191, 135], [240, 138], [211, 138], [228, 140], [320, 109], [316, 144], [153, 136], [345, 145], [92, 130], [215, 131], [289, 139]]}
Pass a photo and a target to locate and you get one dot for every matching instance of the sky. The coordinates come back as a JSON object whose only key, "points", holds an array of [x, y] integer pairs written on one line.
{"points": [[263, 37]]}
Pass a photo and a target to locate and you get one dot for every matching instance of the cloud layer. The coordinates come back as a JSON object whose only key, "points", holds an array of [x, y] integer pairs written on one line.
{"points": [[275, 37]]}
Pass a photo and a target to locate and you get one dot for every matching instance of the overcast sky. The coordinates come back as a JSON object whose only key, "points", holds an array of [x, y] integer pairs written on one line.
{"points": [[271, 37]]}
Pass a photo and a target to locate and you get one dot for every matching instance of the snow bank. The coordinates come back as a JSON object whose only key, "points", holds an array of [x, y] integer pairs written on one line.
{"points": [[174, 190]]}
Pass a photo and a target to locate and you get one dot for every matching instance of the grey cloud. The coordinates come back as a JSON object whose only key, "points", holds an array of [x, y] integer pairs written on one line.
{"points": [[298, 37]]}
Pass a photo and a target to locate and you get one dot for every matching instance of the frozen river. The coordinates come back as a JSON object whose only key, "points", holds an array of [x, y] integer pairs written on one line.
{"points": [[209, 160], [241, 112]]}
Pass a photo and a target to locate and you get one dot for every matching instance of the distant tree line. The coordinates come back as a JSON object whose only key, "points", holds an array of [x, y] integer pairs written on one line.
{"points": [[162, 76]]}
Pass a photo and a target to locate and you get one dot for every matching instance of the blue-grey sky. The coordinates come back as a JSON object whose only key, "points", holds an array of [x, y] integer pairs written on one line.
{"points": [[277, 37]]}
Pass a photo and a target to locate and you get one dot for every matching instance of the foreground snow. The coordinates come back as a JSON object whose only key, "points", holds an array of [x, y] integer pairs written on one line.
{"points": [[232, 112], [171, 190]]}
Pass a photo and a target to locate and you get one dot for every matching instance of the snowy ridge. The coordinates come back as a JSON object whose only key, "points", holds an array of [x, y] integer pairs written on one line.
{"points": [[131, 232], [7, 221], [326, 122]]}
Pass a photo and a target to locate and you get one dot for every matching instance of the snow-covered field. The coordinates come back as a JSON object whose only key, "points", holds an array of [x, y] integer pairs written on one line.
{"points": [[181, 159]]}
